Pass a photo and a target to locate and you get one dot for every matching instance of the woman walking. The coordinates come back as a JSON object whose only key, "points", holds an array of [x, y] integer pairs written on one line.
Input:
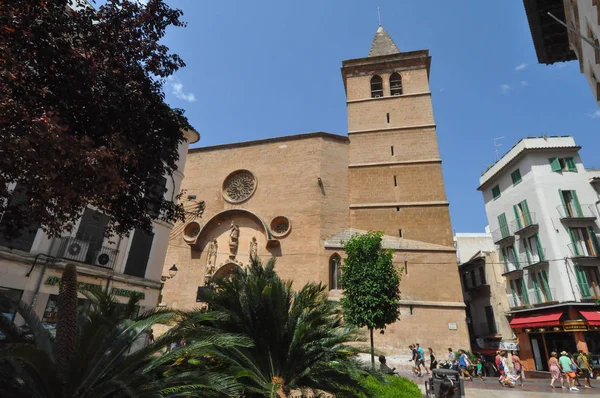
{"points": [[518, 367], [554, 369], [432, 359]]}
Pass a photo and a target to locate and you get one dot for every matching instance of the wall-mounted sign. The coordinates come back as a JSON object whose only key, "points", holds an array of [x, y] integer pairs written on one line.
{"points": [[452, 326], [574, 326], [55, 280]]}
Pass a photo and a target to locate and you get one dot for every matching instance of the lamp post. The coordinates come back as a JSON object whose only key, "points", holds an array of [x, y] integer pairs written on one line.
{"points": [[172, 272]]}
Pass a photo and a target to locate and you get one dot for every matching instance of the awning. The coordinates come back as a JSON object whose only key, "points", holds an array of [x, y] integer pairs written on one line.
{"points": [[593, 317], [537, 320]]}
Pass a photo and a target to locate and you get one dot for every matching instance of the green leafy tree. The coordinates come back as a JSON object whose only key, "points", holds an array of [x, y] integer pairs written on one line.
{"points": [[370, 283], [100, 363], [82, 114], [299, 338]]}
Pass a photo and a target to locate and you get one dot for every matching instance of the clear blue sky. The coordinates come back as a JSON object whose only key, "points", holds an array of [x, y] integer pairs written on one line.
{"points": [[264, 69]]}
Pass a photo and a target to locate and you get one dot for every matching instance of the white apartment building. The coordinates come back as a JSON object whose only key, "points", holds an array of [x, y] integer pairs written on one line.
{"points": [[542, 208], [555, 43], [484, 292], [31, 266]]}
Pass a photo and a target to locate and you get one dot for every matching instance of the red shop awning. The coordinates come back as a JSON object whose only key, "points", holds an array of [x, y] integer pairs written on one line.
{"points": [[537, 320], [593, 317]]}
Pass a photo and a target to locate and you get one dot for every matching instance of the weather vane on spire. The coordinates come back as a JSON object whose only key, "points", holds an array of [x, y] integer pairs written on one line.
{"points": [[379, 16]]}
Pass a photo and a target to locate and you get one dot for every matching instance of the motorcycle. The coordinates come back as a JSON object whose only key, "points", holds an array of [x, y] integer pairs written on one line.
{"points": [[448, 365]]}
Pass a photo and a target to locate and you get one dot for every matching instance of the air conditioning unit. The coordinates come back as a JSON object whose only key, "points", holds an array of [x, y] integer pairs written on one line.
{"points": [[76, 249], [103, 259]]}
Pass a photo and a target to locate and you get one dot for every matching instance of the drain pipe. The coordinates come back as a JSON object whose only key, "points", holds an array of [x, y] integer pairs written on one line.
{"points": [[51, 260]]}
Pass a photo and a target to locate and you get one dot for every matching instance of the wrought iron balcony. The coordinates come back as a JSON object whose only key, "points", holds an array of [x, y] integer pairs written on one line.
{"points": [[576, 212], [502, 235], [86, 252], [512, 269], [583, 250], [534, 259], [526, 223], [515, 301], [541, 296]]}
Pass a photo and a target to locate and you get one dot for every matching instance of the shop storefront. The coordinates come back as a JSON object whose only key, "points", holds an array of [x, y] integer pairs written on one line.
{"points": [[564, 329]]}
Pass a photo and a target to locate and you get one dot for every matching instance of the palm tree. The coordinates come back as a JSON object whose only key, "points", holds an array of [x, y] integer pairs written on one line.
{"points": [[299, 338], [92, 358]]}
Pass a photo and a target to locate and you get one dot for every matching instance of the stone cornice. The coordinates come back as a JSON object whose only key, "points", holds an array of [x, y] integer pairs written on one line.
{"points": [[399, 204], [395, 163], [384, 129], [389, 97], [419, 303]]}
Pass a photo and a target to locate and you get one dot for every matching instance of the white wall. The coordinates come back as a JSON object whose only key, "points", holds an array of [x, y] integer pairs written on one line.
{"points": [[588, 18]]}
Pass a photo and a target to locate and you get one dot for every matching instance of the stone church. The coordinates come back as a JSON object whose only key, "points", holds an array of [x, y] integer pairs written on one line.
{"points": [[299, 197]]}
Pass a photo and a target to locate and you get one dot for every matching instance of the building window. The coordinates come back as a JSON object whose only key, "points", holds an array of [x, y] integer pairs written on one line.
{"points": [[376, 87], [8, 299], [522, 215], [516, 176], [335, 272], [496, 192], [584, 242], [563, 164], [481, 276], [491, 319], [509, 256], [533, 249], [395, 84], [570, 204], [473, 280]]}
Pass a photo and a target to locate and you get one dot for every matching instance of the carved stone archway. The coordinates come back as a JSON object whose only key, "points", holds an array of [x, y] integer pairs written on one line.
{"points": [[225, 270]]}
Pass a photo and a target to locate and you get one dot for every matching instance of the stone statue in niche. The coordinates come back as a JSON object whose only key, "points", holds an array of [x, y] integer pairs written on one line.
{"points": [[213, 248], [253, 251], [234, 236]]}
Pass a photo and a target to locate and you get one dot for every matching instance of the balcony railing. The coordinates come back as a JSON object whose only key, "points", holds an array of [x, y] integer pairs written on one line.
{"points": [[535, 258], [515, 301], [582, 250], [588, 291], [574, 212], [526, 222], [501, 234], [511, 267], [84, 251], [541, 296]]}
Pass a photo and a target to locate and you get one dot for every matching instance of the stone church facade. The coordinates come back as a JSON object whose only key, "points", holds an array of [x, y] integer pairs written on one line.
{"points": [[299, 197]]}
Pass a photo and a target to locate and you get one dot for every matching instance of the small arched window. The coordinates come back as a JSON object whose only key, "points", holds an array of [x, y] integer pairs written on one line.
{"points": [[376, 87], [395, 84], [335, 272]]}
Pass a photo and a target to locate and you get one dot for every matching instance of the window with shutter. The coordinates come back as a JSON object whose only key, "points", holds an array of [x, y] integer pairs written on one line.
{"points": [[24, 236], [516, 177], [571, 166], [139, 253], [555, 164], [496, 192]]}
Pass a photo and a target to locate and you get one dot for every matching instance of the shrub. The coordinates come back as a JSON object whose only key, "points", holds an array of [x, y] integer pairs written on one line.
{"points": [[393, 387]]}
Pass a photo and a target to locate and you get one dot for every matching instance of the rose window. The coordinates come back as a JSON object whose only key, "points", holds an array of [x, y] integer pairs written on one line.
{"points": [[239, 186]]}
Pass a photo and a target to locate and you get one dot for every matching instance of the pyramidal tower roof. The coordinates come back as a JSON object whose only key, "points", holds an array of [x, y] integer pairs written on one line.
{"points": [[382, 44]]}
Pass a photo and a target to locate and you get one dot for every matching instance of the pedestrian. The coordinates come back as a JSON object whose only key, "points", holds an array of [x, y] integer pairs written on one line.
{"points": [[384, 368], [481, 360], [151, 336], [554, 367], [518, 367], [498, 360], [567, 368], [412, 359], [508, 379], [422, 357], [463, 364], [446, 389], [576, 370], [432, 359], [585, 367], [451, 357]]}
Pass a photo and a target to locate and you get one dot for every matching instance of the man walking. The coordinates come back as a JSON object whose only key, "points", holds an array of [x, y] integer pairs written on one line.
{"points": [[463, 364], [567, 369], [422, 357]]}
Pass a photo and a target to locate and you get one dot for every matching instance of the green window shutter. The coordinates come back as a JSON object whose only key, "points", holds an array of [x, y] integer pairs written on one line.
{"points": [[528, 220], [536, 289], [571, 166], [574, 242], [524, 290], [582, 281], [565, 211], [496, 191], [505, 259], [554, 164], [514, 250], [545, 285], [503, 225], [516, 176], [526, 245], [517, 217], [594, 240], [577, 205], [539, 247]]}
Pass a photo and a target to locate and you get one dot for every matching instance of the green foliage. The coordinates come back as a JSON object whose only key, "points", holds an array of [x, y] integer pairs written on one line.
{"points": [[299, 338], [371, 283], [82, 113], [392, 387]]}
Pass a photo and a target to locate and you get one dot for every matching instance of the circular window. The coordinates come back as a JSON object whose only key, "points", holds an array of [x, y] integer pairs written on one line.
{"points": [[280, 226], [239, 186], [191, 231]]}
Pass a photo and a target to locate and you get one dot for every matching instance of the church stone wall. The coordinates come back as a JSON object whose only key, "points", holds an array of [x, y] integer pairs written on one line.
{"points": [[409, 145]]}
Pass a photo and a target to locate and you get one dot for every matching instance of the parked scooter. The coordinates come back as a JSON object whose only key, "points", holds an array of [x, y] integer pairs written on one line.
{"points": [[448, 365]]}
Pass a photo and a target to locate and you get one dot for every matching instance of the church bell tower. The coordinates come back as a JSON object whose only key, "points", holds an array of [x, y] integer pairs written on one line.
{"points": [[395, 170]]}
